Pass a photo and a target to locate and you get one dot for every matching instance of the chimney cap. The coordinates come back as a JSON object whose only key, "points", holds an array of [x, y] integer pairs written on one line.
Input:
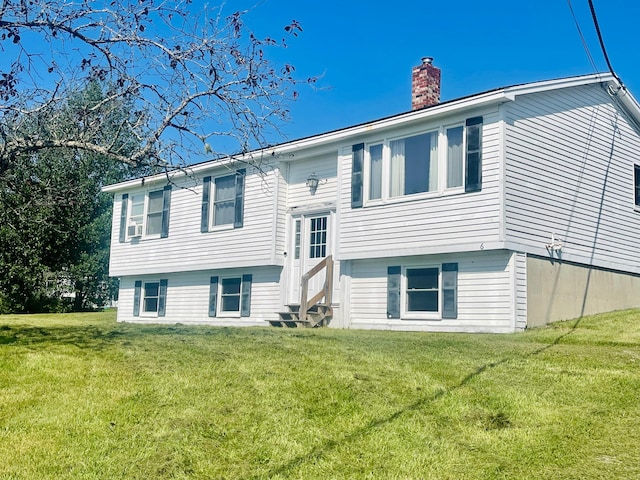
{"points": [[427, 60]]}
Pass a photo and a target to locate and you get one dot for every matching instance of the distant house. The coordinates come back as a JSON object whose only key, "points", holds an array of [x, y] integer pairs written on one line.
{"points": [[491, 213]]}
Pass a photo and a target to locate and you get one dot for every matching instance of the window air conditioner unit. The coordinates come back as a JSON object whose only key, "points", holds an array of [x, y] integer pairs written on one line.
{"points": [[134, 230]]}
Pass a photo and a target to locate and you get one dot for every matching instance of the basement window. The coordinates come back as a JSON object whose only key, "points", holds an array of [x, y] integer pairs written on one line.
{"points": [[423, 289]]}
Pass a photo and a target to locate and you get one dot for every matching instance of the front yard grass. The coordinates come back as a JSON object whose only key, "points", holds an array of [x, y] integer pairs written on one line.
{"points": [[82, 396]]}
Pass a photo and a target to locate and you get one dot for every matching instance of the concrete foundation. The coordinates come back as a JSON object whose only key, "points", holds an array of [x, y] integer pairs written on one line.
{"points": [[562, 291]]}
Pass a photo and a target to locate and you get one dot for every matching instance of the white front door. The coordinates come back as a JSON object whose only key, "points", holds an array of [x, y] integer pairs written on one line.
{"points": [[310, 245]]}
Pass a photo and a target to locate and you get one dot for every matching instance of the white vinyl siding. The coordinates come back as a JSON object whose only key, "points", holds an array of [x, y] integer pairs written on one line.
{"points": [[187, 248], [484, 293], [325, 168], [520, 280], [188, 301], [431, 222], [569, 159]]}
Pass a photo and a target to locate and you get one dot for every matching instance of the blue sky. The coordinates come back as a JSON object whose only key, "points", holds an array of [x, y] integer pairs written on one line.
{"points": [[365, 49]]}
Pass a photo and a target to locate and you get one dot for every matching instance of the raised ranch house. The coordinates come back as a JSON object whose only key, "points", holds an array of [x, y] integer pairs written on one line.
{"points": [[491, 213]]}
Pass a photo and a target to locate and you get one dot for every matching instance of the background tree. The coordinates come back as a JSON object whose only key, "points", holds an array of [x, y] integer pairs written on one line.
{"points": [[197, 79], [54, 238]]}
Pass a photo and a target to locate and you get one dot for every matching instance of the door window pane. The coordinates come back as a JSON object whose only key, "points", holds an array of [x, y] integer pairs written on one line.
{"points": [[296, 253], [318, 237]]}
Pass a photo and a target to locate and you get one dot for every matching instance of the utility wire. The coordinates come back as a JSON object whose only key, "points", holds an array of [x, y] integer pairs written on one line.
{"points": [[604, 50], [584, 42]]}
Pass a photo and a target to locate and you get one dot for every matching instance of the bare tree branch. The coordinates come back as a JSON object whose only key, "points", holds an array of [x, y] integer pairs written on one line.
{"points": [[198, 80]]}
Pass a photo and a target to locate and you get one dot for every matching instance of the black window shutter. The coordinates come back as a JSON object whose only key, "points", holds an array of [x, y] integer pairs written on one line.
{"points": [[213, 296], [636, 179], [449, 290], [356, 175], [166, 205], [239, 212], [393, 292], [245, 296], [162, 298], [473, 174], [136, 298], [123, 217], [206, 193]]}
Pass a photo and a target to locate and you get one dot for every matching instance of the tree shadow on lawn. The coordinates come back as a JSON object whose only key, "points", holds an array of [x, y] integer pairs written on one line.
{"points": [[330, 444], [81, 336], [92, 337]]}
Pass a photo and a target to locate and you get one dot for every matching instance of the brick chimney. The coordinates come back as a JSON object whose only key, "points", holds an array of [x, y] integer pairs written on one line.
{"points": [[425, 84]]}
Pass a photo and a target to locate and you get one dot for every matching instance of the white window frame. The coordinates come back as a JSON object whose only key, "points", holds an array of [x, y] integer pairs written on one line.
{"points": [[229, 313], [443, 145], [212, 204], [145, 213], [404, 307], [366, 184], [143, 297]]}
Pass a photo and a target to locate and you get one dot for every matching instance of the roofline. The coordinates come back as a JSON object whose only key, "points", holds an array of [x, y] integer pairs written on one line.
{"points": [[494, 96]]}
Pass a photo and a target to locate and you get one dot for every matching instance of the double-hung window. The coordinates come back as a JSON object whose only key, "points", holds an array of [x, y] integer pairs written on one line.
{"points": [[423, 292], [375, 171], [223, 201], [145, 214], [154, 213], [150, 298], [224, 196], [230, 296], [455, 156]]}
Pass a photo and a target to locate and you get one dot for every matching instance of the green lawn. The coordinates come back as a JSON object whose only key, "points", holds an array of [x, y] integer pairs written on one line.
{"points": [[84, 397]]}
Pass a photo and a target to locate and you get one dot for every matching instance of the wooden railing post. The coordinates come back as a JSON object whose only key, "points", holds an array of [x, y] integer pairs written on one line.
{"points": [[327, 289]]}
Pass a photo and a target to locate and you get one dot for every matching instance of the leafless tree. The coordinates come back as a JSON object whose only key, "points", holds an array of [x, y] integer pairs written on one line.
{"points": [[198, 80]]}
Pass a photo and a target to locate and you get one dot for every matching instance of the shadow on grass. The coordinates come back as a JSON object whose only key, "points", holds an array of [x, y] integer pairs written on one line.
{"points": [[81, 336], [328, 445]]}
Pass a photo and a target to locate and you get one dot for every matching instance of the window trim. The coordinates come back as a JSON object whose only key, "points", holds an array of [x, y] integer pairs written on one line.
{"points": [[144, 297], [212, 204], [140, 296], [229, 313], [126, 218], [405, 313], [215, 296], [443, 144], [208, 201]]}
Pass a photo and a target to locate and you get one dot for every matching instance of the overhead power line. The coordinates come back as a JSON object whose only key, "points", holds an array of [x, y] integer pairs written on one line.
{"points": [[604, 50], [584, 42]]}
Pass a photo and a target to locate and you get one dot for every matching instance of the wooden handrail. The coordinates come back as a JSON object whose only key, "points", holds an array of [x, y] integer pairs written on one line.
{"points": [[327, 288]]}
